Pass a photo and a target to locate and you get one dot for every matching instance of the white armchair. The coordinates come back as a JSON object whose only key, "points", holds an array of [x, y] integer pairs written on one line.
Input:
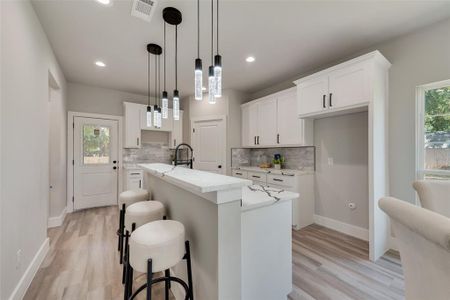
{"points": [[434, 195], [423, 238]]}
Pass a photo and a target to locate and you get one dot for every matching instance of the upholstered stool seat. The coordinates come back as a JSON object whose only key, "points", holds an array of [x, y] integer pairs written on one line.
{"points": [[132, 196], [162, 241], [143, 212]]}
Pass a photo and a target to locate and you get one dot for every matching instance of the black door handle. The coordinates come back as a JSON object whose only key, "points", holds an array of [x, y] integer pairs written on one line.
{"points": [[219, 166], [331, 103], [114, 161], [114, 167]]}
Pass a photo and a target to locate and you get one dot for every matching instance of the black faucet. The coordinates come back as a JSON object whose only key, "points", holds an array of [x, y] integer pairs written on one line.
{"points": [[189, 155]]}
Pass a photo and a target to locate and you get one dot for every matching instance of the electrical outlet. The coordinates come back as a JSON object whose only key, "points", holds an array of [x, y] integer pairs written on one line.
{"points": [[330, 161], [19, 259], [351, 205]]}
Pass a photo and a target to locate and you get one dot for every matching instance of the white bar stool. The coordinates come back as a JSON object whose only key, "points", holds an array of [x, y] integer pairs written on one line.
{"points": [[127, 198], [156, 247]]}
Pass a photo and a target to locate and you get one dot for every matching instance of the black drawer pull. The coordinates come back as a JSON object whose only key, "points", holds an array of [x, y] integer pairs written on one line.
{"points": [[135, 173], [323, 101], [239, 173], [254, 176], [277, 179], [331, 103]]}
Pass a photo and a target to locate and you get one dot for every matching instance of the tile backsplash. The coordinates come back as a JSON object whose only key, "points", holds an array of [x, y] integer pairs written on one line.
{"points": [[148, 153], [297, 158]]}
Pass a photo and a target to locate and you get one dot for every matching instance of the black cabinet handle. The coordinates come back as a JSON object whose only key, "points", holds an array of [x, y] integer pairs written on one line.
{"points": [[219, 166], [254, 176], [323, 101], [254, 142], [278, 138], [140, 183], [237, 173], [331, 103], [137, 141], [257, 139], [276, 179]]}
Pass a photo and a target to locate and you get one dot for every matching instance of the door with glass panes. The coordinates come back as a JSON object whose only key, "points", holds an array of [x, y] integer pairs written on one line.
{"points": [[95, 162]]}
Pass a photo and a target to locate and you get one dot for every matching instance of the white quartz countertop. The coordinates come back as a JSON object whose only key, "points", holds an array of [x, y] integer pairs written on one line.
{"points": [[199, 181], [255, 196], [288, 172]]}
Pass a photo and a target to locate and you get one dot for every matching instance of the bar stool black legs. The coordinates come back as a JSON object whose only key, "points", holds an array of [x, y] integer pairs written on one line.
{"points": [[188, 287], [120, 233]]}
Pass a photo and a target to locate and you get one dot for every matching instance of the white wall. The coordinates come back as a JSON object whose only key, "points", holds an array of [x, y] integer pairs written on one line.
{"points": [[26, 61], [345, 140], [91, 99], [417, 58]]}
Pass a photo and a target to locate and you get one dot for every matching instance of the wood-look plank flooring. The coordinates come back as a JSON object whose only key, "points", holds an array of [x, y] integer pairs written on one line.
{"points": [[83, 264]]}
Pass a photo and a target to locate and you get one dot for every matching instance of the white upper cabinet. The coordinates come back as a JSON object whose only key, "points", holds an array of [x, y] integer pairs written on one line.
{"points": [[347, 86], [267, 122], [135, 120], [132, 128], [313, 94], [290, 127], [273, 121]]}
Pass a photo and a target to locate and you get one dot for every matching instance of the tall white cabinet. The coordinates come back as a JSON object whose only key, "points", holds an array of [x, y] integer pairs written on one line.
{"points": [[273, 121], [360, 84]]}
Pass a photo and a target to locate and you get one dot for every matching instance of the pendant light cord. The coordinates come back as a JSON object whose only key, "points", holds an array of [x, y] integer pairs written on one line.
{"points": [[156, 76], [159, 78], [164, 56], [198, 28], [176, 57], [212, 32]]}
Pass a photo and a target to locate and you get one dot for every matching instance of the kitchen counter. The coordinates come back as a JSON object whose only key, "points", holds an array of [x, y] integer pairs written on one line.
{"points": [[255, 196], [287, 172]]}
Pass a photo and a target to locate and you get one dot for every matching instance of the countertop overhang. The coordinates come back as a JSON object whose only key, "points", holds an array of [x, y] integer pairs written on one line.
{"points": [[195, 180], [256, 196]]}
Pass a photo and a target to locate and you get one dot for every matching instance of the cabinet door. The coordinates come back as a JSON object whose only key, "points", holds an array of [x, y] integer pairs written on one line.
{"points": [[167, 124], [312, 95], [177, 132], [246, 138], [252, 123], [349, 86], [132, 126], [267, 122], [288, 123]]}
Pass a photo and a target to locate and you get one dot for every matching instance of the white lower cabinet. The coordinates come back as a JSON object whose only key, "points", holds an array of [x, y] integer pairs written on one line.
{"points": [[303, 184], [134, 179]]}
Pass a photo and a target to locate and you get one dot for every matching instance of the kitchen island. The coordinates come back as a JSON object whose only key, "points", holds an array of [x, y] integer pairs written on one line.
{"points": [[240, 233]]}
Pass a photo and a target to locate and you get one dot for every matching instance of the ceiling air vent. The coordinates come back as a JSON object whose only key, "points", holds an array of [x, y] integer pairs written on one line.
{"points": [[143, 9]]}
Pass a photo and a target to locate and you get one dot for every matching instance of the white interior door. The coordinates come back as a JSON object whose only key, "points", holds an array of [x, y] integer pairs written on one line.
{"points": [[95, 162], [209, 145]]}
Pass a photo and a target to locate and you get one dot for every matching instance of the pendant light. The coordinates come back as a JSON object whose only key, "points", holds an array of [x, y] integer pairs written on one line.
{"points": [[211, 81], [165, 100], [198, 73], [155, 50], [217, 61], [173, 16], [155, 107], [149, 109]]}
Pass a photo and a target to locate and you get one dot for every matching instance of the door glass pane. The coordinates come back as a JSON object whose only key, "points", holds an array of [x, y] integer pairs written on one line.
{"points": [[437, 129], [96, 144]]}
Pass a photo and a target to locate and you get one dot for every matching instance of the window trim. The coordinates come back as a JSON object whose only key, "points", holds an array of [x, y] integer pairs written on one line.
{"points": [[420, 132]]}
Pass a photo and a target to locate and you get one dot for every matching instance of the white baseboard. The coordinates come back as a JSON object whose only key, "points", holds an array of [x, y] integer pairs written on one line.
{"points": [[355, 231], [58, 220], [30, 272]]}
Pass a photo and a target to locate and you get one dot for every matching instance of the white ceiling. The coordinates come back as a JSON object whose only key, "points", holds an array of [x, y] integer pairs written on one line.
{"points": [[286, 37]]}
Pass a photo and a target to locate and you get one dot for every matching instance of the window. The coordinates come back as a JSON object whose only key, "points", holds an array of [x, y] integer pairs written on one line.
{"points": [[96, 144], [433, 131]]}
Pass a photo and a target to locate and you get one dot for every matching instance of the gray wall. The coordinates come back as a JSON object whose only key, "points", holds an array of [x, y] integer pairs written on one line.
{"points": [[345, 140], [417, 58], [26, 61]]}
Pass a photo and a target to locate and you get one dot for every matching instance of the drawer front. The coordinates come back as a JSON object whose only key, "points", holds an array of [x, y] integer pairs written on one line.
{"points": [[257, 176], [287, 181], [135, 173], [256, 182], [240, 173]]}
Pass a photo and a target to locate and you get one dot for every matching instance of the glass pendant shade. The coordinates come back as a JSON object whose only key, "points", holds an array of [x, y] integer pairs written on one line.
{"points": [[165, 105], [155, 116], [198, 79], [211, 84], [159, 118], [149, 116], [176, 105], [217, 76]]}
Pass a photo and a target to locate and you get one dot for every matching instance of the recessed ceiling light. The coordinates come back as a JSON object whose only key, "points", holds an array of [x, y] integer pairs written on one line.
{"points": [[104, 2], [250, 59], [99, 63]]}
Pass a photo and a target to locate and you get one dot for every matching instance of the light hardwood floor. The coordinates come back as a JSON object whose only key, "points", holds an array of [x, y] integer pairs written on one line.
{"points": [[83, 264]]}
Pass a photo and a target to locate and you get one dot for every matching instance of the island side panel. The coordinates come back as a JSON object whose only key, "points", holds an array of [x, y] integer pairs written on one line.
{"points": [[203, 229]]}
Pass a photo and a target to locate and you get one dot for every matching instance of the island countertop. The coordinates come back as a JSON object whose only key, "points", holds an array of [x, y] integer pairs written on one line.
{"points": [[198, 181], [255, 196]]}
